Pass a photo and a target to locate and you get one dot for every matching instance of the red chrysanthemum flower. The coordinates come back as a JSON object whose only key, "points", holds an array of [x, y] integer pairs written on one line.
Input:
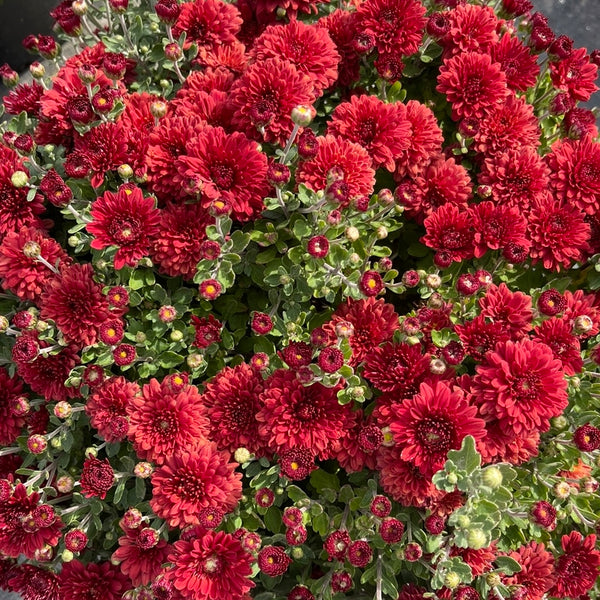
{"points": [[232, 401], [441, 182], [473, 84], [396, 25], [518, 63], [20, 531], [94, 580], [512, 309], [516, 177], [164, 421], [577, 569], [11, 388], [471, 28], [575, 75], [75, 302], [264, 96], [449, 230], [24, 98], [521, 385], [412, 592], [497, 226], [207, 331], [432, 423], [47, 373], [480, 560], [403, 481], [373, 322], [189, 482], [509, 125], [349, 452], [97, 477], [295, 416], [214, 566], [558, 232], [138, 559], [575, 173], [228, 167], [584, 306], [107, 407], [33, 583], [480, 336], [308, 47], [350, 159], [165, 144], [208, 24], [25, 276], [124, 219], [383, 130], [177, 246], [537, 570]]}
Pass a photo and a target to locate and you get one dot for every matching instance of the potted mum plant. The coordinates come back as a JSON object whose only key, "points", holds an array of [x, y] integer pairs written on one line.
{"points": [[300, 301]]}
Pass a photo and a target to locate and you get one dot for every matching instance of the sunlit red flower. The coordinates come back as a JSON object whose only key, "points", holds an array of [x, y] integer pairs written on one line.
{"points": [[575, 75], [295, 416], [432, 423], [307, 47], [537, 570], [348, 451], [352, 161], [479, 560], [231, 401], [213, 566], [472, 28], [512, 309], [25, 97], [107, 407], [383, 130], [11, 425], [228, 167], [32, 583], [480, 336], [518, 63], [208, 331], [264, 96], [449, 230], [521, 385], [126, 220], [97, 477], [164, 421], [576, 570], [100, 579], [189, 482]]}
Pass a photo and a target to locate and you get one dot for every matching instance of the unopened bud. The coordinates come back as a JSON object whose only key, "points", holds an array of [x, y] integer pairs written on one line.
{"points": [[143, 470], [492, 477], [452, 580], [493, 579], [125, 172], [583, 324], [63, 410], [19, 179], [433, 281], [352, 234], [194, 361], [67, 556], [303, 115], [37, 70], [79, 7], [477, 539]]}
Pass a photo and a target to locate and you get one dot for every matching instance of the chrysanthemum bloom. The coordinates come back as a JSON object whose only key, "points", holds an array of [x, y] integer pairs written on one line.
{"points": [[97, 477], [449, 230], [124, 219], [163, 421], [24, 98], [442, 181], [107, 407], [496, 226], [403, 481], [101, 579], [397, 26], [75, 302], [480, 560], [231, 401], [433, 422], [537, 570], [587, 438], [352, 455], [208, 331], [473, 84], [177, 246], [47, 373], [295, 416], [208, 24], [373, 322], [20, 531], [507, 126], [516, 177], [308, 47], [471, 29], [575, 75], [582, 306], [576, 570], [383, 130], [557, 334], [518, 63], [141, 557], [25, 276], [32, 583], [165, 144], [214, 566], [273, 561], [521, 385], [336, 544], [188, 482], [349, 158], [297, 463], [575, 173], [11, 388], [264, 96], [512, 309], [229, 167]]}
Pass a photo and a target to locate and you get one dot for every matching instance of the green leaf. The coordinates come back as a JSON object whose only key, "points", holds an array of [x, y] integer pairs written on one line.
{"points": [[170, 359], [321, 479], [467, 458], [295, 493], [140, 489], [273, 519], [508, 565]]}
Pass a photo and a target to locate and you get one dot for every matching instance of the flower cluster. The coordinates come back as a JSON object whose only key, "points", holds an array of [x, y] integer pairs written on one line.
{"points": [[300, 301]]}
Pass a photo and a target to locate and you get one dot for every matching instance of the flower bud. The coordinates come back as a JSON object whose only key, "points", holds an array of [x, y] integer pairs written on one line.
{"points": [[477, 539], [352, 233], [433, 281], [242, 455], [125, 172], [67, 556], [36, 444], [64, 484], [19, 179], [143, 470], [452, 580], [37, 70], [493, 579], [173, 52], [63, 410], [79, 7], [583, 324], [492, 477], [195, 361], [303, 115]]}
